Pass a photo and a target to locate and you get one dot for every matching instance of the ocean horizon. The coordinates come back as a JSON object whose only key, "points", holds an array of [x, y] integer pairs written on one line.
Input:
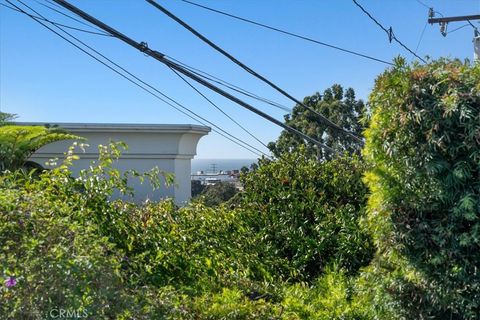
{"points": [[209, 165]]}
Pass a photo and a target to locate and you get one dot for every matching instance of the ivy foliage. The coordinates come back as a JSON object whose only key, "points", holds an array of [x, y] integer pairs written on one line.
{"points": [[335, 103], [424, 210], [307, 213]]}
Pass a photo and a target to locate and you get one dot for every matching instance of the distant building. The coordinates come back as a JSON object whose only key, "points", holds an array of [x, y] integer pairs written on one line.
{"points": [[170, 147], [209, 178], [211, 181]]}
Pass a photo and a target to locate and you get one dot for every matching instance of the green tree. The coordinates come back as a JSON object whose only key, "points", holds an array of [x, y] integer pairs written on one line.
{"points": [[244, 169], [197, 187], [423, 144], [18, 143], [218, 193], [338, 105], [5, 118]]}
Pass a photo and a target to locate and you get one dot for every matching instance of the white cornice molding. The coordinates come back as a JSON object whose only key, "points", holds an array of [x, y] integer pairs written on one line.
{"points": [[123, 127]]}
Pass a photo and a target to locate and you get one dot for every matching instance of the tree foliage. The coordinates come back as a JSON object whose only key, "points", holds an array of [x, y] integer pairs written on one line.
{"points": [[18, 143], [337, 104], [424, 210], [218, 193], [307, 212], [6, 118]]}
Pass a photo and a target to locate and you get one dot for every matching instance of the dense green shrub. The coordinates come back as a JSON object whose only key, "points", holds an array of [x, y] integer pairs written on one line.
{"points": [[52, 260], [307, 213], [196, 246], [218, 193], [55, 249], [65, 244], [424, 147]]}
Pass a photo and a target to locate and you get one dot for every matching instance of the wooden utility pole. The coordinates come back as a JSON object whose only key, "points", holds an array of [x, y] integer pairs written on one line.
{"points": [[443, 22]]}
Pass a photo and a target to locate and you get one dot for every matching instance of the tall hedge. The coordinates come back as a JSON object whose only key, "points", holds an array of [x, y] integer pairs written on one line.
{"points": [[307, 213], [424, 147]]}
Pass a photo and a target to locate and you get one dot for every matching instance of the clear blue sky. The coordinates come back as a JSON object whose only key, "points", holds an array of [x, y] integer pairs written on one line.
{"points": [[45, 79]]}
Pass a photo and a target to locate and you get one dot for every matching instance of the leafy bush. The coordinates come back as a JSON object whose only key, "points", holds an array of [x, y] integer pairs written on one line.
{"points": [[65, 244], [424, 147], [55, 261], [196, 246], [55, 252], [307, 213], [232, 304], [218, 193]]}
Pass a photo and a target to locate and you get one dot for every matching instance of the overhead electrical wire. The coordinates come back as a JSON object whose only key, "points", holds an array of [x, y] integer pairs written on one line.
{"points": [[225, 134], [428, 7], [287, 32], [390, 33], [324, 119], [231, 86], [218, 108], [473, 26], [456, 29], [198, 71], [57, 23], [143, 47], [67, 15], [423, 4], [213, 104], [421, 37]]}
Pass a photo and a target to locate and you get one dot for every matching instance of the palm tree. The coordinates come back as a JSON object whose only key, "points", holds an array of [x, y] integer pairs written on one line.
{"points": [[18, 143]]}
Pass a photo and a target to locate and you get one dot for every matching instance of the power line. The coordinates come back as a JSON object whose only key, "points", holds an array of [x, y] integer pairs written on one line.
{"points": [[58, 24], [226, 135], [218, 108], [288, 33], [473, 26], [421, 37], [428, 7], [456, 29], [231, 86], [69, 16], [389, 31], [143, 47], [423, 4], [324, 119]]}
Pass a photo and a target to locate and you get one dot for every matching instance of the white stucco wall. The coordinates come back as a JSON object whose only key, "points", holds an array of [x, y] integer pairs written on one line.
{"points": [[169, 147]]}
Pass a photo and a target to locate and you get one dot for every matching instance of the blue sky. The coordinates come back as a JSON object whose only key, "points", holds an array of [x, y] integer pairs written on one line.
{"points": [[43, 78]]}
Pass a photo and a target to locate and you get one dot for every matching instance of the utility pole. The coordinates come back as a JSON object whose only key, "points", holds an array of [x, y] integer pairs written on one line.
{"points": [[214, 168], [443, 22]]}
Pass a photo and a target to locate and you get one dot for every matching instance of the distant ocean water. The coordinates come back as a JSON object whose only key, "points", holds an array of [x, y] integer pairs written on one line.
{"points": [[207, 165]]}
